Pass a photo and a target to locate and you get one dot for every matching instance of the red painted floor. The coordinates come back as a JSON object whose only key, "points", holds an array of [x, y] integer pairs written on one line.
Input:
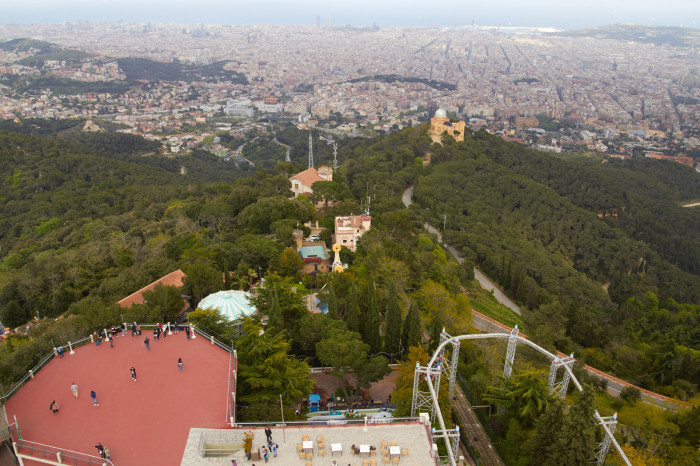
{"points": [[142, 423]]}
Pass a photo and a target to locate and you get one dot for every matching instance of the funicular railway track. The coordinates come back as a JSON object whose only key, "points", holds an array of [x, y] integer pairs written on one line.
{"points": [[478, 438]]}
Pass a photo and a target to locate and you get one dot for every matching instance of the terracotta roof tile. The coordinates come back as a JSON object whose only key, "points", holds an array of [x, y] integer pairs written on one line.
{"points": [[175, 278], [307, 177]]}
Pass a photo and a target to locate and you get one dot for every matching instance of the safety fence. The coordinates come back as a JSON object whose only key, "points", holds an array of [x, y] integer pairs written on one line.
{"points": [[28, 450], [320, 421]]}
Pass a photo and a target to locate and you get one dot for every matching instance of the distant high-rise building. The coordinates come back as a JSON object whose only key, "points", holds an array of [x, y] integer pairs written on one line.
{"points": [[318, 21], [328, 21]]}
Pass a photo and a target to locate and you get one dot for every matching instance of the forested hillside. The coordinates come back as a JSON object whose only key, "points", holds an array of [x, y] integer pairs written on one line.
{"points": [[599, 253]]}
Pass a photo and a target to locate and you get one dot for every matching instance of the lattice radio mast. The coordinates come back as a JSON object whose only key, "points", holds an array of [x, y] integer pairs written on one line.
{"points": [[311, 152]]}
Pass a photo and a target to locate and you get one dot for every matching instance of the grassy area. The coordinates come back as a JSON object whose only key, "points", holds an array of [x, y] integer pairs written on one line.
{"points": [[484, 302]]}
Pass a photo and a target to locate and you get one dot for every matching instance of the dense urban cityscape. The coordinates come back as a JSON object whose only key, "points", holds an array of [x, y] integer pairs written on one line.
{"points": [[612, 96]]}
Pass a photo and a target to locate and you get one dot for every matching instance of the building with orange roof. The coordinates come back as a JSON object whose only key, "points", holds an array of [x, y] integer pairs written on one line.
{"points": [[176, 279], [302, 182]]}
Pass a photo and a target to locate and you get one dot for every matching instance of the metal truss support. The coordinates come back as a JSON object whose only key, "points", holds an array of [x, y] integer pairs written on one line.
{"points": [[450, 369], [602, 451], [560, 388], [510, 354], [422, 399], [451, 436], [510, 357]]}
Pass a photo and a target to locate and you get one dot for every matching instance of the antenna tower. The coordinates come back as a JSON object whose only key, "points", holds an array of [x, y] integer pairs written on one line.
{"points": [[335, 157], [311, 152]]}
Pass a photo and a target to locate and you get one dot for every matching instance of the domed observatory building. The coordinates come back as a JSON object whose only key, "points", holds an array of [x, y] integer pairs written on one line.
{"points": [[441, 123], [234, 305]]}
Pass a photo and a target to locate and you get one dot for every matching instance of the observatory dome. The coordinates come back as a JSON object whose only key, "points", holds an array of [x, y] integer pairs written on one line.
{"points": [[232, 304], [440, 113]]}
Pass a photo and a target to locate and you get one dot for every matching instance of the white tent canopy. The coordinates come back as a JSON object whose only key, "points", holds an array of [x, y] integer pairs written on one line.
{"points": [[232, 304]]}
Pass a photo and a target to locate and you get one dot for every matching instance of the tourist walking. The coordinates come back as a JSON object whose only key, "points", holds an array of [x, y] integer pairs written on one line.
{"points": [[59, 350], [133, 329], [133, 373], [123, 329], [100, 449], [138, 329], [93, 395], [146, 341], [155, 334], [107, 454], [111, 341], [54, 407], [268, 433], [179, 363], [74, 389], [187, 331]]}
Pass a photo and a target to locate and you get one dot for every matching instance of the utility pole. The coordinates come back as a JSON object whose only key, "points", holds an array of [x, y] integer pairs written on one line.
{"points": [[444, 221], [284, 433]]}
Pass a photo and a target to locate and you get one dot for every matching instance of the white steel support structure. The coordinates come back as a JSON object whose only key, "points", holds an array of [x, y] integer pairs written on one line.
{"points": [[560, 388], [422, 399], [611, 423], [606, 425], [450, 435], [335, 157], [450, 369], [510, 354], [510, 357]]}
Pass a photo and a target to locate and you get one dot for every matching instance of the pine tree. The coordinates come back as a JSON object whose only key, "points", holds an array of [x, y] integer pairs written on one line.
{"points": [[575, 442], [371, 327], [332, 302], [392, 343], [352, 317], [412, 332]]}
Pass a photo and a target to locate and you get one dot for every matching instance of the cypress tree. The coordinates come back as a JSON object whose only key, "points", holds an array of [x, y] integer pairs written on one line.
{"points": [[575, 441], [547, 428], [412, 332], [332, 302], [371, 327], [352, 317], [274, 314], [435, 331], [392, 343]]}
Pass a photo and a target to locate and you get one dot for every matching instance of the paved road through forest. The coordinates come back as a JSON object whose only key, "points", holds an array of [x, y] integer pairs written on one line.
{"points": [[487, 284]]}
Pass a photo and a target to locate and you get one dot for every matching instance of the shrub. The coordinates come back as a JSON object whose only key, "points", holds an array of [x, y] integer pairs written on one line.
{"points": [[631, 395]]}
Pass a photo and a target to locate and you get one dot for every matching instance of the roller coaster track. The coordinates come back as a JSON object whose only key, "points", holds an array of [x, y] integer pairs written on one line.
{"points": [[478, 438]]}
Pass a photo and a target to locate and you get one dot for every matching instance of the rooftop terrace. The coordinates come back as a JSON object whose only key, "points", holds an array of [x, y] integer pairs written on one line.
{"points": [[411, 435]]}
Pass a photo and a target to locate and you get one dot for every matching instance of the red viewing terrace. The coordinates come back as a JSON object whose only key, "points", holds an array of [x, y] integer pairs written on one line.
{"points": [[143, 422]]}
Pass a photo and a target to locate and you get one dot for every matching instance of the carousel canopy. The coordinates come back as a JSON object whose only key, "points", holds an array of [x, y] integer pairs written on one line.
{"points": [[232, 304]]}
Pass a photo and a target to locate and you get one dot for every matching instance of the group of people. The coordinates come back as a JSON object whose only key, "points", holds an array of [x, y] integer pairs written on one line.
{"points": [[103, 451], [135, 330], [271, 446]]}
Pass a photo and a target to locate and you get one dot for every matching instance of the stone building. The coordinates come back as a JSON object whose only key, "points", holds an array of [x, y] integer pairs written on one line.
{"points": [[441, 123]]}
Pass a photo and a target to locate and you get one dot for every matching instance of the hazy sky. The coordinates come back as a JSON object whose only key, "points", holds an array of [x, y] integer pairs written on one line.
{"points": [[551, 13]]}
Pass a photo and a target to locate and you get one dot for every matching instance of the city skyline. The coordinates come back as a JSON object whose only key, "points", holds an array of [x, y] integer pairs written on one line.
{"points": [[538, 13]]}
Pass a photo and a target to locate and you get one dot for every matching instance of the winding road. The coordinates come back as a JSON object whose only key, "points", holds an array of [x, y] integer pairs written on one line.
{"points": [[407, 199]]}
